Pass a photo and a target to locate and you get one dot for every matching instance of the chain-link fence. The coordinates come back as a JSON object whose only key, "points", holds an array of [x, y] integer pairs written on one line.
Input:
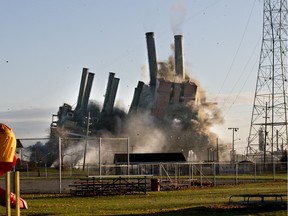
{"points": [[171, 175], [50, 168]]}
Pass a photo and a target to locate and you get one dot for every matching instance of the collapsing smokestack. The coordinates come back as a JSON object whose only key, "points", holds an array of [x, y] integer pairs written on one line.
{"points": [[152, 57], [179, 56], [108, 91], [82, 88], [136, 98], [110, 95], [87, 91]]}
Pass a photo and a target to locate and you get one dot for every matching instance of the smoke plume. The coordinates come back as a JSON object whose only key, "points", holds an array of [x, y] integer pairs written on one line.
{"points": [[177, 16], [184, 127]]}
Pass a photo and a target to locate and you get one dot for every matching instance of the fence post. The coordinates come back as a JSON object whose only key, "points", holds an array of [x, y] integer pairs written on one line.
{"points": [[236, 173], [8, 204], [17, 192], [46, 174], [214, 174], [274, 170], [175, 171], [27, 170], [100, 171], [160, 172], [201, 174], [71, 168], [60, 167], [189, 172], [128, 157], [192, 173], [255, 171]]}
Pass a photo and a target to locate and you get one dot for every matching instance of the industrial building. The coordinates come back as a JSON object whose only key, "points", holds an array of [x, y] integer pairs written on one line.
{"points": [[168, 98]]}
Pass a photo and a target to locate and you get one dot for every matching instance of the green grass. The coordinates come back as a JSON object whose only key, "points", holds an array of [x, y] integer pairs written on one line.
{"points": [[201, 201]]}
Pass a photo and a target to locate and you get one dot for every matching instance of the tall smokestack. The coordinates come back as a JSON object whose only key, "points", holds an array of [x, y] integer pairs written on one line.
{"points": [[82, 88], [179, 56], [110, 103], [152, 58], [136, 98], [108, 90], [110, 95], [87, 93]]}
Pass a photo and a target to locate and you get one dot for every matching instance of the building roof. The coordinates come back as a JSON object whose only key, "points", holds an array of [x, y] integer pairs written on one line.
{"points": [[18, 144]]}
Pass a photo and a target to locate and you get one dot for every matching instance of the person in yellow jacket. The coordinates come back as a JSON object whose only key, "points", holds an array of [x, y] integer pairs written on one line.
{"points": [[7, 162], [7, 149]]}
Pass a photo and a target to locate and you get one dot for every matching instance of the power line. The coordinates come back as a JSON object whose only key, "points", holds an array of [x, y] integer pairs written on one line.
{"points": [[237, 51]]}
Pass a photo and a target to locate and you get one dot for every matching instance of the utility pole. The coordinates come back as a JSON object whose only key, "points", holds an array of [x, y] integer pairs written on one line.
{"points": [[86, 141], [233, 140], [265, 135], [217, 149]]}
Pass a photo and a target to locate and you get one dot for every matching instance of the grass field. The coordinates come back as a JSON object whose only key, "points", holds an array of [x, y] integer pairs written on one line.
{"points": [[193, 201]]}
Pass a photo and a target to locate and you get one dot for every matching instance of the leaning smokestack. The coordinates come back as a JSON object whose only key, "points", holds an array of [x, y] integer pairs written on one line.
{"points": [[179, 56], [87, 93], [112, 96], [108, 91], [152, 58], [136, 98], [82, 88]]}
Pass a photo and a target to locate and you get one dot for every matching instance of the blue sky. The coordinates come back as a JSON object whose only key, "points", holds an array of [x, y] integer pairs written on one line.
{"points": [[45, 45]]}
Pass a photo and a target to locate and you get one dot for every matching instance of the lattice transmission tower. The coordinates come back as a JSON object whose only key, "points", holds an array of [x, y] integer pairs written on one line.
{"points": [[268, 130]]}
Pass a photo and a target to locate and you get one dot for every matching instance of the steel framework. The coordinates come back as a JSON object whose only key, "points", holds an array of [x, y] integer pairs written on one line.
{"points": [[268, 129]]}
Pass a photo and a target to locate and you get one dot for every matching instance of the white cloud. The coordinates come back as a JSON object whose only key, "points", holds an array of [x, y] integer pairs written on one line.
{"points": [[34, 122]]}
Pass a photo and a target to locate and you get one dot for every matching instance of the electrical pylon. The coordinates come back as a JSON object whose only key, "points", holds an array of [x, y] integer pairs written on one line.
{"points": [[268, 129]]}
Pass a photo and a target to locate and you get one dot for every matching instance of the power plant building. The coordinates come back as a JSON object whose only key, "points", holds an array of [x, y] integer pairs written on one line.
{"points": [[165, 94]]}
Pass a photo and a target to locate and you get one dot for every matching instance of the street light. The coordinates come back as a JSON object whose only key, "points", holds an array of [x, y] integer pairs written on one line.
{"points": [[233, 140]]}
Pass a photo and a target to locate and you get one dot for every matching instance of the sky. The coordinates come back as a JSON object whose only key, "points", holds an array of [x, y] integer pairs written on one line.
{"points": [[45, 45]]}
